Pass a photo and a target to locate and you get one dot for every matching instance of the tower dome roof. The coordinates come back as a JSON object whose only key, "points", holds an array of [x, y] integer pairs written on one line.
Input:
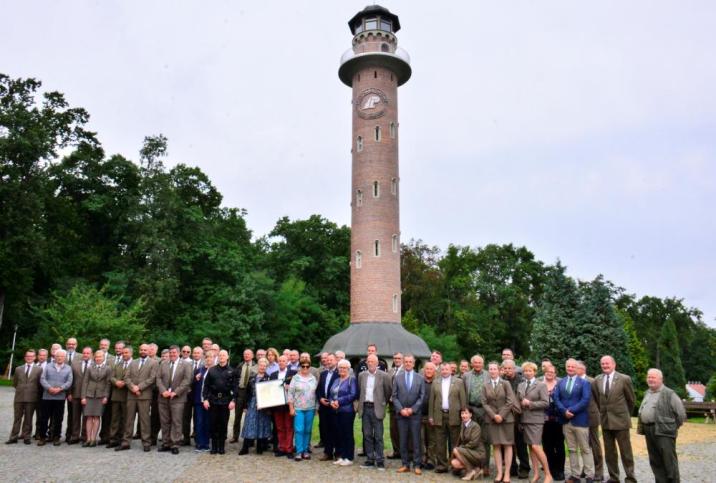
{"points": [[373, 11]]}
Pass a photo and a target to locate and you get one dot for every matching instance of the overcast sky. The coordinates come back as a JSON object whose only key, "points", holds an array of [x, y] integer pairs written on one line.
{"points": [[585, 131]]}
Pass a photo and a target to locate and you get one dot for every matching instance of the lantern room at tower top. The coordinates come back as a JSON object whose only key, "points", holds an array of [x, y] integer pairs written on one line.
{"points": [[374, 44]]}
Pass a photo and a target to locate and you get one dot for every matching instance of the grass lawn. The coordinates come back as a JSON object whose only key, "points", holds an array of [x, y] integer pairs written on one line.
{"points": [[358, 433]]}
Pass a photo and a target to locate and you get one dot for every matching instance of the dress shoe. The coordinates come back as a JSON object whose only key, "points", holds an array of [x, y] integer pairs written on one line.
{"points": [[85, 444], [243, 451], [441, 469], [394, 456], [93, 444], [573, 479], [27, 441], [470, 475], [73, 441], [41, 442], [325, 457], [418, 471], [175, 450], [56, 442], [163, 449], [403, 469], [523, 474], [122, 447], [279, 453], [234, 440], [11, 441], [112, 444], [428, 466], [147, 449]]}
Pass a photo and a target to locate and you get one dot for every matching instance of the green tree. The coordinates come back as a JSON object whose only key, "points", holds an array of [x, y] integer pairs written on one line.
{"points": [[88, 314], [637, 353], [555, 322], [711, 389], [670, 358]]}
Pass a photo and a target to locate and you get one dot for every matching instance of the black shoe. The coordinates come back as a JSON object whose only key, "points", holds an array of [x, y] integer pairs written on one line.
{"points": [[93, 444], [213, 449], [74, 441], [234, 440], [122, 447], [147, 449], [11, 441], [221, 449], [175, 450], [137, 436], [27, 441], [573, 479], [278, 454], [368, 464], [103, 441], [380, 466], [41, 442], [523, 474], [243, 451], [163, 449], [441, 470], [112, 444], [56, 442], [394, 456], [85, 444], [429, 466]]}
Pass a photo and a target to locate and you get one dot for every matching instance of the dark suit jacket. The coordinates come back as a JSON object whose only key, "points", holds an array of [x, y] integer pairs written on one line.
{"points": [[96, 383], [144, 378], [615, 408], [181, 383], [577, 402], [117, 374], [27, 389], [413, 398], [321, 389], [77, 376]]}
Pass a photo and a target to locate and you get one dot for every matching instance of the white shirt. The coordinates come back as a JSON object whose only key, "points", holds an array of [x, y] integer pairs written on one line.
{"points": [[446, 392], [282, 374], [369, 387], [608, 378], [172, 369]]}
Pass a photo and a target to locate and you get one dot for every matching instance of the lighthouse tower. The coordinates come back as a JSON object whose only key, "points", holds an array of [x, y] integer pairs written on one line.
{"points": [[374, 68]]}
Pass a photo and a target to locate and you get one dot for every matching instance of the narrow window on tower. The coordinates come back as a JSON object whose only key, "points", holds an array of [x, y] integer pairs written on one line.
{"points": [[394, 244], [359, 144], [376, 189], [377, 134], [395, 303], [392, 130], [394, 186], [359, 259], [376, 248], [359, 198], [375, 74]]}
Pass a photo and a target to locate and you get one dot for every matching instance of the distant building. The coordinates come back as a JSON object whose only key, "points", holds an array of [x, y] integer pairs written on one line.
{"points": [[696, 391]]}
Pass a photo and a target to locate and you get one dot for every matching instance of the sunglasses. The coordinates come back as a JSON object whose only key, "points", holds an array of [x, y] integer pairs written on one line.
{"points": [[305, 365]]}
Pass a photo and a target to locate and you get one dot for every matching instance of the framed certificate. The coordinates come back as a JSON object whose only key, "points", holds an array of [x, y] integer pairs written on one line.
{"points": [[270, 394]]}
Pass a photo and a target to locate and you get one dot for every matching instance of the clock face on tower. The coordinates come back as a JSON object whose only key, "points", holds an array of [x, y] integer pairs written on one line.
{"points": [[371, 103]]}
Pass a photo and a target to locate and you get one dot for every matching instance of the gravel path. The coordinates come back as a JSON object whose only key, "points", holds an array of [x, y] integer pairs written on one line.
{"points": [[74, 463]]}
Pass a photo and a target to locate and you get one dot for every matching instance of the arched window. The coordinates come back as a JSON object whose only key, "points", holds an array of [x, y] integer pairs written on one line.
{"points": [[359, 143], [359, 198], [394, 186], [392, 130], [376, 189], [395, 303], [377, 134], [359, 259], [384, 48], [376, 248], [394, 243]]}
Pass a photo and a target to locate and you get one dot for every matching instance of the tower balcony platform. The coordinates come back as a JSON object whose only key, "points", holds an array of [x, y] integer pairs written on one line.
{"points": [[398, 62]]}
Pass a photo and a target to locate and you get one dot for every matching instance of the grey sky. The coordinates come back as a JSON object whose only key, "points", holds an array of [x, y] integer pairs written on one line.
{"points": [[582, 130]]}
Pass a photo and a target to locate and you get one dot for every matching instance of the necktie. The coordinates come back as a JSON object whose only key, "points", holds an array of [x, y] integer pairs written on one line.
{"points": [[410, 380], [494, 384], [141, 363], [570, 382], [124, 366], [171, 374], [245, 375], [606, 387], [27, 370], [84, 367]]}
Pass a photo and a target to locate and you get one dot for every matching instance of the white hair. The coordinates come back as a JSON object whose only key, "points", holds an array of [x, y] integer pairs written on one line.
{"points": [[656, 371], [344, 363], [60, 351]]}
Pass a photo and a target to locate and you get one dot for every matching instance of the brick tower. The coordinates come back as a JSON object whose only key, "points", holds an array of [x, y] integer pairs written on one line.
{"points": [[374, 68]]}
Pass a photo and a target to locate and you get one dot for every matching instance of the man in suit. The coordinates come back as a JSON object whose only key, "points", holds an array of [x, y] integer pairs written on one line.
{"points": [[474, 380], [71, 349], [173, 381], [154, 418], [109, 361], [446, 399], [426, 429], [139, 378], [521, 470], [594, 419], [616, 402], [282, 419], [195, 361], [75, 422], [244, 370], [408, 398], [572, 397], [375, 391], [118, 397], [26, 381], [326, 414], [56, 381], [43, 356], [394, 439]]}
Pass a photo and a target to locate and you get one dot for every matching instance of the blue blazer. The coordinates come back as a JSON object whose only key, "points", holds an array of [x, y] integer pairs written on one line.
{"points": [[198, 385], [413, 398], [345, 392], [321, 389], [577, 402]]}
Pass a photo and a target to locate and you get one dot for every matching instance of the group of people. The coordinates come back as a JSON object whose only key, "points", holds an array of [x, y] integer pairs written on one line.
{"points": [[445, 417]]}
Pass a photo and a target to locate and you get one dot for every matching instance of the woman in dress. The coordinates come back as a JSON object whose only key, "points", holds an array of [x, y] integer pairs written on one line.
{"points": [[343, 392], [552, 434], [534, 399], [469, 453], [272, 358], [201, 414], [302, 406], [95, 392], [257, 423], [498, 400]]}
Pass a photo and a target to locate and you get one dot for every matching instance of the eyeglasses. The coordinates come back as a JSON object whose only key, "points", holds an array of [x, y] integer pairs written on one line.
{"points": [[185, 352], [305, 365]]}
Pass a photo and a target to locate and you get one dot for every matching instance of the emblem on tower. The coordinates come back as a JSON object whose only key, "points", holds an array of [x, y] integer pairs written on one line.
{"points": [[371, 103]]}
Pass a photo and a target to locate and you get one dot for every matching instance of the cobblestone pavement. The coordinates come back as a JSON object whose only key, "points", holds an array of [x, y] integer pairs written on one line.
{"points": [[74, 463]]}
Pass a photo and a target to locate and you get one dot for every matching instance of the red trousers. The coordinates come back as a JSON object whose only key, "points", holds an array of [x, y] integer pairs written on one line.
{"points": [[284, 428]]}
